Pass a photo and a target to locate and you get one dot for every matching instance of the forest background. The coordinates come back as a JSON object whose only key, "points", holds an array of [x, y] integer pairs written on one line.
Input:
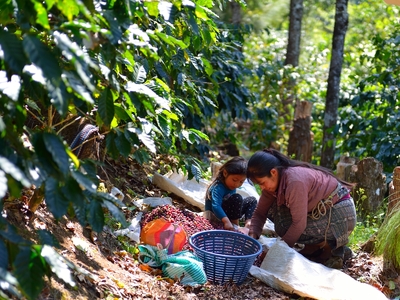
{"points": [[174, 78]]}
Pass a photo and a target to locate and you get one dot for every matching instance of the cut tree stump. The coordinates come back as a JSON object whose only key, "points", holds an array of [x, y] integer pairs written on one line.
{"points": [[370, 189], [300, 137], [344, 168]]}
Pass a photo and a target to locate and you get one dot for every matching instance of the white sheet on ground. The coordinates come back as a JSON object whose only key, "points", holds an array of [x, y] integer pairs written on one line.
{"points": [[285, 269], [192, 191], [153, 201], [133, 230]]}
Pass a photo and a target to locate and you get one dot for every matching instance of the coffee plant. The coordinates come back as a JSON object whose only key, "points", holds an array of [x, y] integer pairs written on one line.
{"points": [[147, 74]]}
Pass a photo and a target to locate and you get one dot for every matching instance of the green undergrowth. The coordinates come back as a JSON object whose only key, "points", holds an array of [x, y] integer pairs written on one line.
{"points": [[388, 238], [366, 228], [368, 223], [361, 233]]}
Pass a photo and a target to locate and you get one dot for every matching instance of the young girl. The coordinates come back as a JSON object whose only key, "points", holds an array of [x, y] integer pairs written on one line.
{"points": [[222, 203]]}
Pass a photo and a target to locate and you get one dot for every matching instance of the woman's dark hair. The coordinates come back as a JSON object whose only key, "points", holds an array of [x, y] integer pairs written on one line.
{"points": [[262, 162], [235, 166]]}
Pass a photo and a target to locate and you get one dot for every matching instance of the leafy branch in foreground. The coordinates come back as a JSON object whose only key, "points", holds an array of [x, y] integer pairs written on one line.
{"points": [[142, 72]]}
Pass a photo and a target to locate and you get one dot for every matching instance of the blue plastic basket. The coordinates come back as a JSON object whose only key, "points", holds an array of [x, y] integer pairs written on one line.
{"points": [[226, 255]]}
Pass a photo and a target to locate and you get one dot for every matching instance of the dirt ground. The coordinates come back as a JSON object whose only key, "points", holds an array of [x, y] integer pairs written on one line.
{"points": [[105, 271]]}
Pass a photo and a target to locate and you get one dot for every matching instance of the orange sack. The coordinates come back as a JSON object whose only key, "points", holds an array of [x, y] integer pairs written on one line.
{"points": [[169, 235]]}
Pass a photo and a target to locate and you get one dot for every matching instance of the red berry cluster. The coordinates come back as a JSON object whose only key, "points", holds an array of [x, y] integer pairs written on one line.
{"points": [[189, 221]]}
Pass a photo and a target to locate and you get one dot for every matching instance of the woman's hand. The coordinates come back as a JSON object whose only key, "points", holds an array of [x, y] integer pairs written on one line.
{"points": [[251, 234]]}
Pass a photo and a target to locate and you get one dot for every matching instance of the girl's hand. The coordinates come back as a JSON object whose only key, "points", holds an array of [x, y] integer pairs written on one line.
{"points": [[229, 227], [227, 224]]}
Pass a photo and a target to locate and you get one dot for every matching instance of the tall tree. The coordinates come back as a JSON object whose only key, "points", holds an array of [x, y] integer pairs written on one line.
{"points": [[294, 34], [292, 58], [236, 13], [292, 54], [332, 95]]}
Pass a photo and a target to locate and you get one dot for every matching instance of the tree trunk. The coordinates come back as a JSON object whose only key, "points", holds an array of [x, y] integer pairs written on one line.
{"points": [[236, 13], [332, 95], [292, 58], [300, 137], [293, 47]]}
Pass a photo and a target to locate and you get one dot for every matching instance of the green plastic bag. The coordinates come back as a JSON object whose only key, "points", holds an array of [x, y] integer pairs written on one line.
{"points": [[183, 266]]}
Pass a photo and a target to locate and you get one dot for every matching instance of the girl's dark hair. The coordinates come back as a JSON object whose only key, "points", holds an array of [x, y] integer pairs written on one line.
{"points": [[235, 166], [262, 162]]}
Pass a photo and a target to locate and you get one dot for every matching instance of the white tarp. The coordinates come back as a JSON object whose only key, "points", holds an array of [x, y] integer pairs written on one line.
{"points": [[192, 191], [284, 269], [133, 230]]}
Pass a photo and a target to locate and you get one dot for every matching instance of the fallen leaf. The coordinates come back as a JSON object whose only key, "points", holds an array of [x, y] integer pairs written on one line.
{"points": [[145, 268], [169, 280], [70, 226], [120, 284], [121, 253], [93, 236]]}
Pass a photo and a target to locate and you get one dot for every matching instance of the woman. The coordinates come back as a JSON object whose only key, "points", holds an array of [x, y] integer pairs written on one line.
{"points": [[307, 203]]}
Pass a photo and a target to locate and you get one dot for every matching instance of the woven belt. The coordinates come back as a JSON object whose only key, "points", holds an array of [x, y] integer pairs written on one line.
{"points": [[324, 205]]}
